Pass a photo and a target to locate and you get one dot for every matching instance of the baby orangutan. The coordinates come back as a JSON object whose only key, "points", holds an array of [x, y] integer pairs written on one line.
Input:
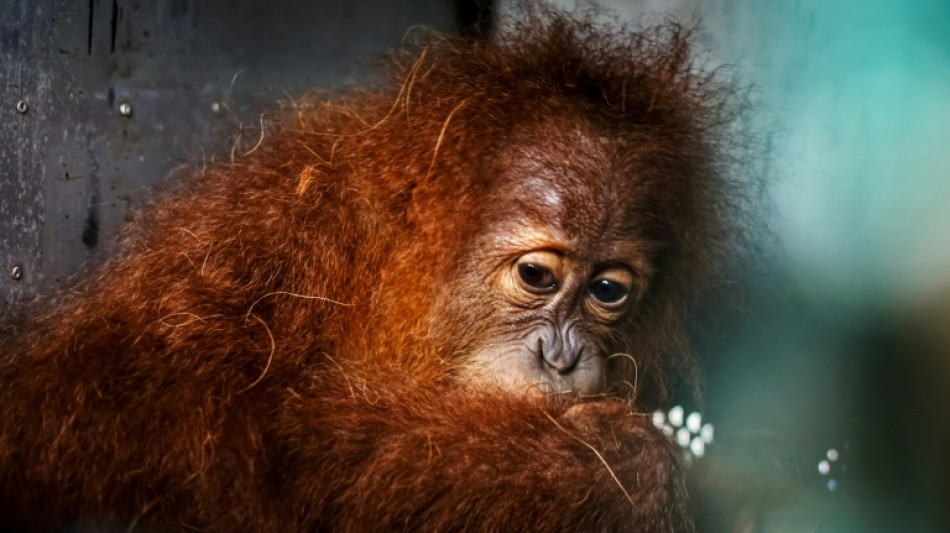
{"points": [[426, 306]]}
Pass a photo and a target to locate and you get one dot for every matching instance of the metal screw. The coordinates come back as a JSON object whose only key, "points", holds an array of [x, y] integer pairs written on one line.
{"points": [[125, 109], [16, 273], [216, 108], [22, 107]]}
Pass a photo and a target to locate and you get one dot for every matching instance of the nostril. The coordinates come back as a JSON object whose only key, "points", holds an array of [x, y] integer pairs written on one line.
{"points": [[564, 361], [569, 360]]}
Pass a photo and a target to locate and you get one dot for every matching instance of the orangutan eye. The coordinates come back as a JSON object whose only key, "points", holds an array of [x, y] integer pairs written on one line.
{"points": [[536, 276], [611, 287], [538, 272], [608, 292]]}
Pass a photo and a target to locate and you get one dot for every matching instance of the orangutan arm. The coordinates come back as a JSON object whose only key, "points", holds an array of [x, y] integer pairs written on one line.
{"points": [[401, 460]]}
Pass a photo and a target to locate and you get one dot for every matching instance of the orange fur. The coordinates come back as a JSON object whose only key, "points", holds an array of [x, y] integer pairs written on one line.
{"points": [[260, 357]]}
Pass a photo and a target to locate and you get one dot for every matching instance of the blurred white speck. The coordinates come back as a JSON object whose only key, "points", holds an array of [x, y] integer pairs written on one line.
{"points": [[693, 422], [832, 455], [676, 416], [658, 418], [668, 430], [682, 437], [824, 467], [832, 485], [706, 433], [698, 447]]}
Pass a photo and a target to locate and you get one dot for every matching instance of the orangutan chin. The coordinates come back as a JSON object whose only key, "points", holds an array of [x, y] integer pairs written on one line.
{"points": [[433, 305]]}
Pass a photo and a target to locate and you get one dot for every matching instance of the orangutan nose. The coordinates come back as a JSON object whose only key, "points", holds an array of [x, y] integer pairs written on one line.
{"points": [[558, 356]]}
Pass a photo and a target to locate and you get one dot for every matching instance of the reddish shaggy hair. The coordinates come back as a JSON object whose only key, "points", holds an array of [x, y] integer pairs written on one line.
{"points": [[256, 357]]}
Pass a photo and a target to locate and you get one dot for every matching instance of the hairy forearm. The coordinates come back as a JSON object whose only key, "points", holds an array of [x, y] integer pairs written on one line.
{"points": [[447, 461]]}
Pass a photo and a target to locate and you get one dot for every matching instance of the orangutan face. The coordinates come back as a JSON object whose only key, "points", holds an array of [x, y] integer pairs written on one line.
{"points": [[545, 292]]}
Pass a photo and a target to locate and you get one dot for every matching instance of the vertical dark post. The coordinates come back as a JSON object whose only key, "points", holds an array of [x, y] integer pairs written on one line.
{"points": [[474, 18]]}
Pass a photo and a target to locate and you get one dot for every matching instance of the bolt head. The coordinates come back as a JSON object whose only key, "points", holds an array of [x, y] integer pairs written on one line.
{"points": [[16, 273], [125, 109], [22, 107]]}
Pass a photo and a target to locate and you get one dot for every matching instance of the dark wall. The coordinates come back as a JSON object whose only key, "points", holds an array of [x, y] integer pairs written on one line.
{"points": [[101, 100]]}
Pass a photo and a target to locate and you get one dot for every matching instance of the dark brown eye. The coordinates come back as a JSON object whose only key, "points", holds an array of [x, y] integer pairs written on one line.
{"points": [[611, 287], [536, 276], [608, 292], [538, 272]]}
